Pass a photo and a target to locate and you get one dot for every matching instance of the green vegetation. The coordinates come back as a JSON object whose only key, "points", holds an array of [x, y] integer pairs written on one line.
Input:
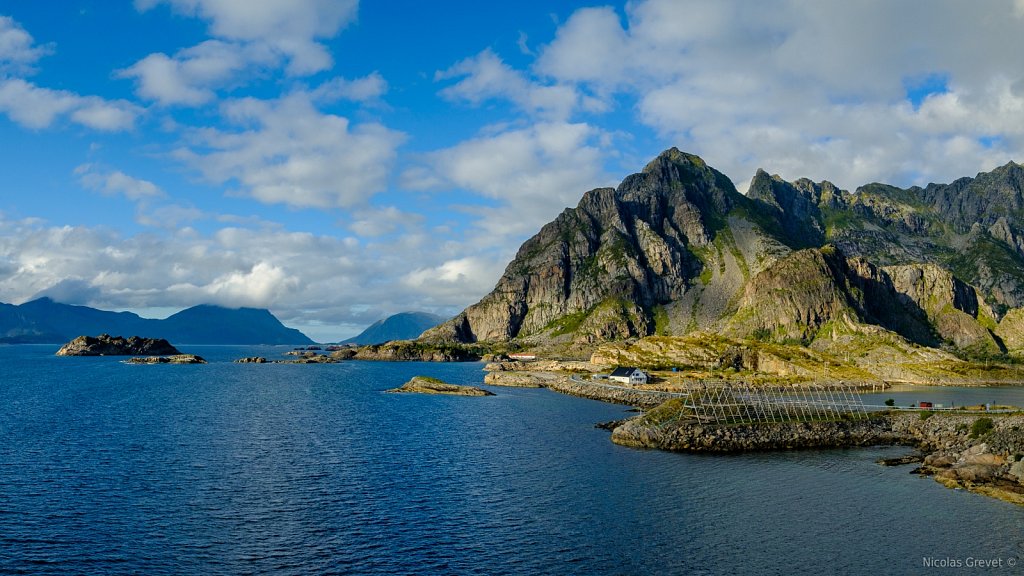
{"points": [[660, 320], [568, 324], [890, 402], [981, 427], [839, 219], [667, 412], [926, 414], [412, 349]]}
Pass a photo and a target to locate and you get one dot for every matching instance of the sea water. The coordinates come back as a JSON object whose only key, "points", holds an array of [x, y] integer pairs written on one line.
{"points": [[108, 468]]}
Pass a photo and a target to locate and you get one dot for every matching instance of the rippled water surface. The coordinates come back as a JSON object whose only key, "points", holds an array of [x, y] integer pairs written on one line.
{"points": [[227, 468]]}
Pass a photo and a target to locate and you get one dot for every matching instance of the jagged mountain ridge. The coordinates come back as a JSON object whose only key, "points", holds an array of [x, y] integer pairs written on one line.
{"points": [[44, 321], [972, 226], [676, 248]]}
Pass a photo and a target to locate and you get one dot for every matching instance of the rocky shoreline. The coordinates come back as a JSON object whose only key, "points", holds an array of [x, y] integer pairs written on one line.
{"points": [[172, 359], [977, 452]]}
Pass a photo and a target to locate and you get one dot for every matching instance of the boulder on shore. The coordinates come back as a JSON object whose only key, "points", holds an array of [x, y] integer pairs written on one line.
{"points": [[427, 385], [107, 345]]}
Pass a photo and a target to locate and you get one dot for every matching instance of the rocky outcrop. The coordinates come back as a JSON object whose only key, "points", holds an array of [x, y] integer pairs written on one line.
{"points": [[252, 360], [174, 359], [953, 308], [757, 437], [107, 345], [427, 385], [411, 350], [1011, 330]]}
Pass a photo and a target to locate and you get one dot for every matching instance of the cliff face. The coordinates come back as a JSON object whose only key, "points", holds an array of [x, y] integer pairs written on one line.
{"points": [[603, 270], [676, 249]]}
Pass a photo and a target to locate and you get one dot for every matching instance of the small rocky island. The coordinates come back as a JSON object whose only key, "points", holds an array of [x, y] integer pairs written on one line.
{"points": [[173, 359], [427, 385], [107, 345]]}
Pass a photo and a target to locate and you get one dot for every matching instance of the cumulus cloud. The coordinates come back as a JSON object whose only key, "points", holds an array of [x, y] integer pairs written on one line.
{"points": [[289, 27], [36, 107], [368, 88], [451, 280], [286, 151], [485, 76], [782, 86], [115, 182], [191, 75], [374, 222], [18, 51], [532, 173]]}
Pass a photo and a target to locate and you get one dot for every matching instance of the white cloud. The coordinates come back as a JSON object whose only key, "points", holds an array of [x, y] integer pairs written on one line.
{"points": [[36, 107], [781, 86], [453, 279], [189, 77], [485, 76], [286, 151], [18, 51], [260, 285], [590, 46], [368, 88], [290, 27], [533, 174], [374, 222], [114, 182]]}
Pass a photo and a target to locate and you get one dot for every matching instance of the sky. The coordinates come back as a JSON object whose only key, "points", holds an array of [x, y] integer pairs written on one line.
{"points": [[338, 161]]}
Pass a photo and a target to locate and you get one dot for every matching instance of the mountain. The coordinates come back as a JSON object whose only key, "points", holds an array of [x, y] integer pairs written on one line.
{"points": [[664, 252], [402, 326], [676, 250], [46, 321]]}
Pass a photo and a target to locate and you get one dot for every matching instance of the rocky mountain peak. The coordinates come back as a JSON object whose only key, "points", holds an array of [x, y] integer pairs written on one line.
{"points": [[599, 270]]}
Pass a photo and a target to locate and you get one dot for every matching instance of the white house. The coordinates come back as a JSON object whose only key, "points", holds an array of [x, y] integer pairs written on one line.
{"points": [[628, 375]]}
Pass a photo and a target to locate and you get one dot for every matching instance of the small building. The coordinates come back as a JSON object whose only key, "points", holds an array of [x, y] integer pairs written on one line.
{"points": [[925, 405], [628, 375]]}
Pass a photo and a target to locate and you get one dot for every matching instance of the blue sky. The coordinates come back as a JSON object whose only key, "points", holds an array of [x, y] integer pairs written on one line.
{"points": [[337, 161]]}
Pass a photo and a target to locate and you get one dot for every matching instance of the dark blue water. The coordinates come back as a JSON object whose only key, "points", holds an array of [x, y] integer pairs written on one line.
{"points": [[107, 468]]}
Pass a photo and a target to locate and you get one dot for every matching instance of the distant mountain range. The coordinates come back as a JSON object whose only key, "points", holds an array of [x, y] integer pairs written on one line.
{"points": [[403, 326], [44, 321]]}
